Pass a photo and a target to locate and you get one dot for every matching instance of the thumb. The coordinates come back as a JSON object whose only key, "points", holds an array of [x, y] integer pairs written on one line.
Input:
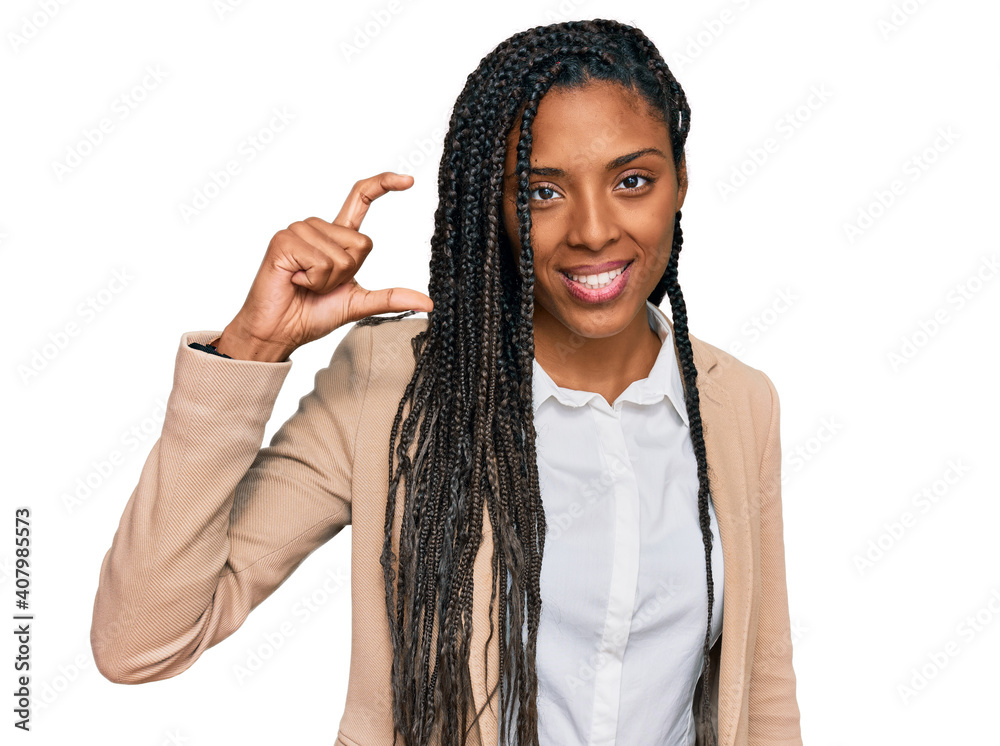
{"points": [[394, 300]]}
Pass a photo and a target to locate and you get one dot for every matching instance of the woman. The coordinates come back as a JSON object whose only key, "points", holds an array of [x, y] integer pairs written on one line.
{"points": [[545, 407]]}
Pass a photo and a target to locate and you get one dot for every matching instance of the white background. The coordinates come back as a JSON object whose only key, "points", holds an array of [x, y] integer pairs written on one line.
{"points": [[874, 594]]}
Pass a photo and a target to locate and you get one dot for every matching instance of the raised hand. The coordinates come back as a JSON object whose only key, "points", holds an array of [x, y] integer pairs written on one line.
{"points": [[305, 287]]}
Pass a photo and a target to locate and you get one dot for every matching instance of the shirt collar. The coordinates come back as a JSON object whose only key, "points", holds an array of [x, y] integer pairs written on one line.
{"points": [[664, 380]]}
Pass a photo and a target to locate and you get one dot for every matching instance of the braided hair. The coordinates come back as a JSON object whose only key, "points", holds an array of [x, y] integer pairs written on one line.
{"points": [[470, 417]]}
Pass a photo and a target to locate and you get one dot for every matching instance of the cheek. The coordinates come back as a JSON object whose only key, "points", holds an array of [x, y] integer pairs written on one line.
{"points": [[655, 235], [652, 230], [658, 228]]}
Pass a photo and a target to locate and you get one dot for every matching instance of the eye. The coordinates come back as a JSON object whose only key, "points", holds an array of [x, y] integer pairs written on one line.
{"points": [[631, 179], [548, 191]]}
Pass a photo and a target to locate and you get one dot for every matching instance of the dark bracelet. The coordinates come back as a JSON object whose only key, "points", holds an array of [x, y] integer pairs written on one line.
{"points": [[209, 349]]}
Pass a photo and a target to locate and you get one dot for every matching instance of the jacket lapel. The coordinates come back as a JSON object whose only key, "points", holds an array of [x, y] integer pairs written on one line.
{"points": [[726, 452]]}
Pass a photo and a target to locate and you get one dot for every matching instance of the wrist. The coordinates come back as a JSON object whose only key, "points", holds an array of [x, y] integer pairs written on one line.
{"points": [[242, 346]]}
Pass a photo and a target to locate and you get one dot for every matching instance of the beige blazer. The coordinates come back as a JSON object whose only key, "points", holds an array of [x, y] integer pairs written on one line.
{"points": [[216, 523]]}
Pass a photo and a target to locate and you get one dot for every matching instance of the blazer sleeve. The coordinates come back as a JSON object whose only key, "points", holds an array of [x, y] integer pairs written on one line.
{"points": [[773, 709], [217, 523]]}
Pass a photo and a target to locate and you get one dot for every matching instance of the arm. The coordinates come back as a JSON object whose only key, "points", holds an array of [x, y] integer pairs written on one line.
{"points": [[216, 523], [773, 710]]}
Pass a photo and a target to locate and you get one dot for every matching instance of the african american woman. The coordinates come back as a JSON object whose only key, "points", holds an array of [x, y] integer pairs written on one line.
{"points": [[565, 509]]}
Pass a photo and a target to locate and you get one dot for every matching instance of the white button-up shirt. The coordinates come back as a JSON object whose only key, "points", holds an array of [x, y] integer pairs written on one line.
{"points": [[623, 587]]}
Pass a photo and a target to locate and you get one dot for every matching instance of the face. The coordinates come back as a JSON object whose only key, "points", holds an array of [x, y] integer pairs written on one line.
{"points": [[603, 191]]}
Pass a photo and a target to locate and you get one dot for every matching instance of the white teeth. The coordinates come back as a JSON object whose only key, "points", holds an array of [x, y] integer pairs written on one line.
{"points": [[596, 282]]}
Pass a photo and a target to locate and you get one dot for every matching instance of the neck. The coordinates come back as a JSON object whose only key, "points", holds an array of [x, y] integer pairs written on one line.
{"points": [[605, 365]]}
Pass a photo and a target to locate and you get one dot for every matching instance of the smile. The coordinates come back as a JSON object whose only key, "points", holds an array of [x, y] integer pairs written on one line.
{"points": [[600, 287], [601, 280]]}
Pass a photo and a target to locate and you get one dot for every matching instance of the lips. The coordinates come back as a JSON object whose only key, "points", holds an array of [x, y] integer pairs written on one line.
{"points": [[595, 269], [599, 295]]}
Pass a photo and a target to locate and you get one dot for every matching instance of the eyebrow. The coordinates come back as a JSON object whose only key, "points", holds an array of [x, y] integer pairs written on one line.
{"points": [[611, 165]]}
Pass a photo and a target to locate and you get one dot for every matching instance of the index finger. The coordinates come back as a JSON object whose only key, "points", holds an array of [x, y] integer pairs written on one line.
{"points": [[366, 190]]}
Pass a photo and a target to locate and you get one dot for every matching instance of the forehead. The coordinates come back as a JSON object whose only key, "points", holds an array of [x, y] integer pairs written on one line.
{"points": [[583, 127]]}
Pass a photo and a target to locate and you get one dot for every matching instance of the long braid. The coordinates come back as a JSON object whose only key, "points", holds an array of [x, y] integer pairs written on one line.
{"points": [[466, 443], [692, 402]]}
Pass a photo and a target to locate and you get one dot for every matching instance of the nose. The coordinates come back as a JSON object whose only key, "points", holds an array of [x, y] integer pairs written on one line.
{"points": [[593, 222]]}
